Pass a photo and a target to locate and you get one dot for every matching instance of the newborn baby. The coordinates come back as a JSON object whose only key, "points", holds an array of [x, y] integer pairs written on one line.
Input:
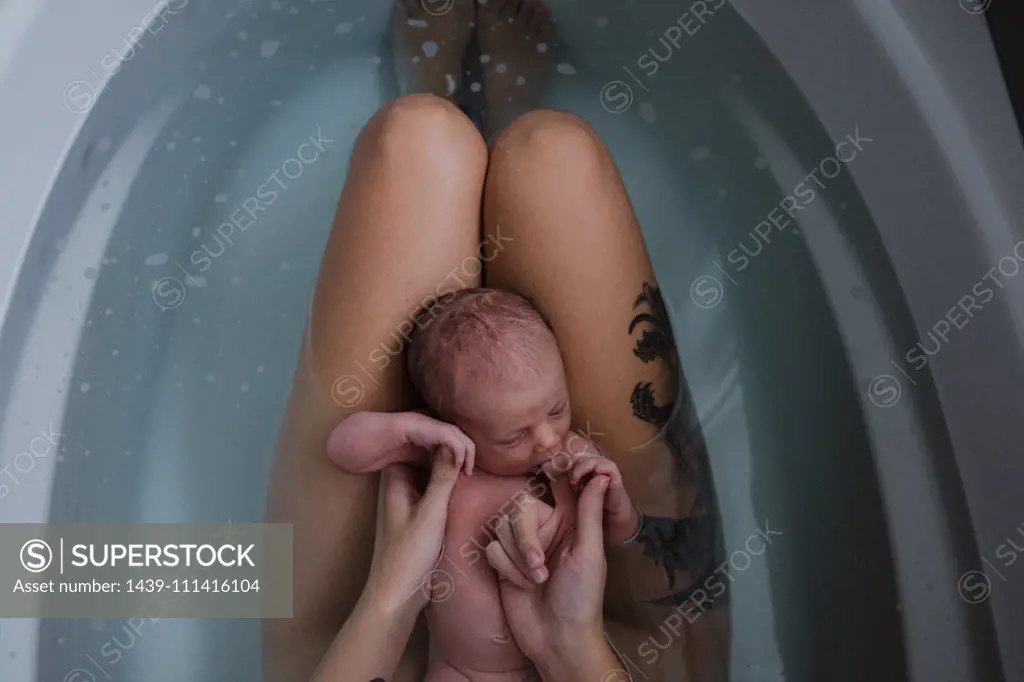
{"points": [[486, 362]]}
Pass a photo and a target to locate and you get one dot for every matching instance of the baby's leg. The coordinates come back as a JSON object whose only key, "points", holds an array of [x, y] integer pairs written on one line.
{"points": [[407, 225]]}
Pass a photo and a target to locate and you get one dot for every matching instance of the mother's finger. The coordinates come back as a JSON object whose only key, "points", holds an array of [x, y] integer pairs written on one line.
{"points": [[505, 535], [526, 532], [590, 517], [397, 493], [505, 567], [443, 476]]}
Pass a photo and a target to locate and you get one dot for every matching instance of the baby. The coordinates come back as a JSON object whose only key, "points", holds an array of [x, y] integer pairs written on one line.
{"points": [[489, 370]]}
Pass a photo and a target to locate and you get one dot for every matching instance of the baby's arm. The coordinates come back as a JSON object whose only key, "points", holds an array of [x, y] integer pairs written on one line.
{"points": [[371, 441]]}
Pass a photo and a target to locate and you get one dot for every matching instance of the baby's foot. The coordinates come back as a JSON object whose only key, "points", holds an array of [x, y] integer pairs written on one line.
{"points": [[516, 50], [430, 37]]}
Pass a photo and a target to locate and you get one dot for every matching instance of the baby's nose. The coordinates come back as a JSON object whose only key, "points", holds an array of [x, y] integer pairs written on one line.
{"points": [[547, 438]]}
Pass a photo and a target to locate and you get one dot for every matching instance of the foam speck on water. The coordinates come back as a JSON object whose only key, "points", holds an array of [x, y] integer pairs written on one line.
{"points": [[647, 113], [566, 69], [196, 231], [84, 387], [268, 48], [276, 6], [485, 58], [202, 91], [156, 259], [220, 198], [242, 35], [417, 23], [520, 80], [430, 48], [476, 87], [760, 163], [91, 273], [601, 21], [103, 145], [171, 146], [542, 47], [343, 28], [501, 67]]}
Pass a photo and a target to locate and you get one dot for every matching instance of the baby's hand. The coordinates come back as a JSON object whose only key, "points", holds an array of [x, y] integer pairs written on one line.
{"points": [[426, 432], [621, 518]]}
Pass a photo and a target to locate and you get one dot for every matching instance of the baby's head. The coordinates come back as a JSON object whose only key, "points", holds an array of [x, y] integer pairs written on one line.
{"points": [[486, 361]]}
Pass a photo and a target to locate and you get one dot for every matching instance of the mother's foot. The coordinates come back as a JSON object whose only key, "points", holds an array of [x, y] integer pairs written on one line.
{"points": [[430, 37], [516, 50]]}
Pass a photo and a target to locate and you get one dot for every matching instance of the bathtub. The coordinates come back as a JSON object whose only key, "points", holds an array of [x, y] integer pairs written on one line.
{"points": [[152, 374]]}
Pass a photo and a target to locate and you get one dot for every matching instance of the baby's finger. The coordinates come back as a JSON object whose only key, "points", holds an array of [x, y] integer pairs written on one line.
{"points": [[451, 455], [583, 467], [558, 465], [606, 467], [449, 436], [470, 455], [505, 567]]}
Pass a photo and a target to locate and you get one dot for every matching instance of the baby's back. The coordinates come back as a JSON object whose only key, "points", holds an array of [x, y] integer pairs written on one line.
{"points": [[468, 631]]}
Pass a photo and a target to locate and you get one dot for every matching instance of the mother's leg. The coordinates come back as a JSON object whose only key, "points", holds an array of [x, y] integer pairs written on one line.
{"points": [[576, 251], [406, 229]]}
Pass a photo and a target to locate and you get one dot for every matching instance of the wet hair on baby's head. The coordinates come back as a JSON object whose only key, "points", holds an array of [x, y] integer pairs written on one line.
{"points": [[475, 335]]}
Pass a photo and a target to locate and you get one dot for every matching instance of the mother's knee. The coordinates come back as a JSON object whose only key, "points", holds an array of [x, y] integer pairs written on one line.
{"points": [[553, 138], [424, 128]]}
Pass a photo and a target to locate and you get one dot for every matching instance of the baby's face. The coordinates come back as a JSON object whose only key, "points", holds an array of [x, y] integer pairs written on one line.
{"points": [[516, 430]]}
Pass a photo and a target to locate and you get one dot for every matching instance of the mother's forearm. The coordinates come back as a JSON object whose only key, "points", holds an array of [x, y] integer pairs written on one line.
{"points": [[369, 645]]}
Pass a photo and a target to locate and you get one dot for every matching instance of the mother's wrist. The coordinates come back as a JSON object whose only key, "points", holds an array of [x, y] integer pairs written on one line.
{"points": [[586, 658], [570, 649], [399, 608]]}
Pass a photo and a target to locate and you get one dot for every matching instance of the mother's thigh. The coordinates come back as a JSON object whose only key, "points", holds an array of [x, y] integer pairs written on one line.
{"points": [[563, 233], [570, 242], [406, 229]]}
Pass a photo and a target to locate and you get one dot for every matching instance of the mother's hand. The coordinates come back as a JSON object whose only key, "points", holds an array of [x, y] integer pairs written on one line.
{"points": [[410, 531], [559, 625]]}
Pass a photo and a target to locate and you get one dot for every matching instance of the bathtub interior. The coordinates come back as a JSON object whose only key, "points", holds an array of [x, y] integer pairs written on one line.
{"points": [[172, 395]]}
